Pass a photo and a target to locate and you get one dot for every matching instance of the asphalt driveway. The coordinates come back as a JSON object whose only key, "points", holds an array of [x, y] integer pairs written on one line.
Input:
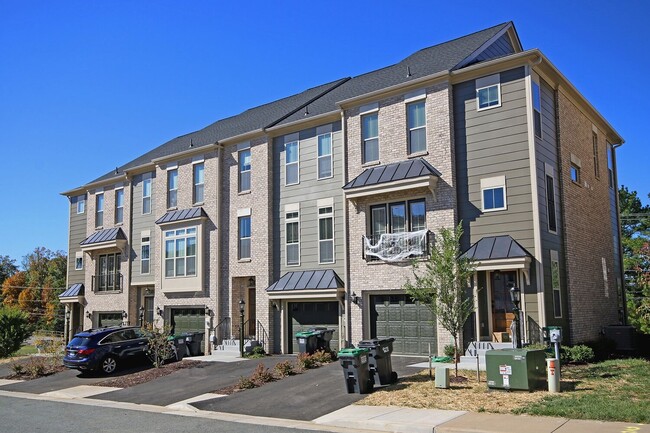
{"points": [[304, 397]]}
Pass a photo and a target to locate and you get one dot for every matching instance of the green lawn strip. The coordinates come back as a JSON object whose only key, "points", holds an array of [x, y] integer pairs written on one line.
{"points": [[26, 350], [617, 390]]}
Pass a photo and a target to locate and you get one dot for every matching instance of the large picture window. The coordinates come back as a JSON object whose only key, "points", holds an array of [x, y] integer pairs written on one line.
{"points": [[108, 276], [399, 217], [180, 252]]}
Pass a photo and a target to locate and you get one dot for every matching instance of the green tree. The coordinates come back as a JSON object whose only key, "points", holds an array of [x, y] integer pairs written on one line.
{"points": [[441, 285], [635, 239], [45, 276], [14, 329], [7, 268]]}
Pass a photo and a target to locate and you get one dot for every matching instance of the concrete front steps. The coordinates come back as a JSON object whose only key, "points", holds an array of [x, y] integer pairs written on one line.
{"points": [[481, 347], [232, 345]]}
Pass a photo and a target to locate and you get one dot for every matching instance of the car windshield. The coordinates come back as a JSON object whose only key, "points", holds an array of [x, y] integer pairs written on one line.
{"points": [[79, 341]]}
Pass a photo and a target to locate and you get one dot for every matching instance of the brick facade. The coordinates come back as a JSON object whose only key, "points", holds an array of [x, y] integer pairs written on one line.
{"points": [[587, 224]]}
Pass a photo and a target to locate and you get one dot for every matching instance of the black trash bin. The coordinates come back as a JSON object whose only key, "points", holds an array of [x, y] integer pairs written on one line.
{"points": [[194, 341], [307, 341], [379, 360], [323, 338], [355, 370], [180, 347]]}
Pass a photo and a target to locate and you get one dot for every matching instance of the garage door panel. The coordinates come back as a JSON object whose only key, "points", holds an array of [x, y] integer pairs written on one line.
{"points": [[305, 315], [408, 322]]}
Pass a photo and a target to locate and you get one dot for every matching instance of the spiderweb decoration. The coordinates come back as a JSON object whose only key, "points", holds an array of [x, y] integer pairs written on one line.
{"points": [[397, 247]]}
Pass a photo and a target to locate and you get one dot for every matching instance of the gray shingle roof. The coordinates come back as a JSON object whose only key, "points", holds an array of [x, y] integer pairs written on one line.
{"points": [[496, 247], [73, 291], [307, 280], [321, 99], [181, 215], [410, 169], [105, 235]]}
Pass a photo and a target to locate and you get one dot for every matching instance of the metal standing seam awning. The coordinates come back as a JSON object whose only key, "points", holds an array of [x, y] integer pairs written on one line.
{"points": [[74, 293], [398, 176], [104, 239], [500, 253], [182, 215], [307, 284]]}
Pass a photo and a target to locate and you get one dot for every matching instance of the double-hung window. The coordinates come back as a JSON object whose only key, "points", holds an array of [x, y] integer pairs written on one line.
{"points": [[180, 252], [145, 254], [245, 170], [610, 165], [594, 140], [198, 182], [488, 92], [292, 163], [417, 139], [292, 237], [550, 199], [119, 206], [537, 109], [79, 261], [398, 217], [370, 137], [555, 282], [325, 234], [172, 188], [325, 156], [108, 273], [493, 194], [146, 193], [244, 237], [81, 204], [99, 210]]}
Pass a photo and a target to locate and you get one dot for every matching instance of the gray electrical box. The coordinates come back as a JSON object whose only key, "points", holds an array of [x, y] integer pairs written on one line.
{"points": [[442, 377]]}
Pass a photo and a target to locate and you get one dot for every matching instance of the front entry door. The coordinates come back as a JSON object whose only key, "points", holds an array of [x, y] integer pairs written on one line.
{"points": [[502, 315]]}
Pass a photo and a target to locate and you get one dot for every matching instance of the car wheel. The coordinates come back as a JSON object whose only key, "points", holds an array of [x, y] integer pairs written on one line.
{"points": [[109, 365]]}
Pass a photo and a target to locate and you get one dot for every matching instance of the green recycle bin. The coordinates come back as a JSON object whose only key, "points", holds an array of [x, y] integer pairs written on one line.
{"points": [[355, 370], [307, 341]]}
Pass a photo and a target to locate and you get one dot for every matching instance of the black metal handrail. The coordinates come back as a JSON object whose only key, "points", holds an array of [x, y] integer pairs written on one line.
{"points": [[260, 336], [112, 282], [222, 331]]}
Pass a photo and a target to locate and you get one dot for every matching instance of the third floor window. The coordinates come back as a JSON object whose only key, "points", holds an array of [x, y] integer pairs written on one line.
{"points": [[99, 210], [370, 137], [146, 195], [245, 170], [119, 206], [198, 183], [292, 163], [417, 139], [325, 156], [172, 188]]}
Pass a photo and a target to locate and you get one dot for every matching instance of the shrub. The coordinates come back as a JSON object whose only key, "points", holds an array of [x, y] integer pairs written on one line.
{"points": [[246, 383], [159, 346], [581, 354], [256, 353], [14, 329], [261, 375], [284, 368], [603, 348], [36, 367], [305, 361], [449, 351], [322, 357], [18, 369]]}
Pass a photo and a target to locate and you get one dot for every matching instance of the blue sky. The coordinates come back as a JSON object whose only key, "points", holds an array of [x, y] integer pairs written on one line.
{"points": [[88, 85]]}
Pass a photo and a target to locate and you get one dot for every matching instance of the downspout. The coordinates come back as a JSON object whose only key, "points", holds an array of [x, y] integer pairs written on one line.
{"points": [[217, 306], [346, 260], [620, 238]]}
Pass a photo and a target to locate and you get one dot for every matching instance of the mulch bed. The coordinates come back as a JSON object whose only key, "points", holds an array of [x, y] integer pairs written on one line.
{"points": [[139, 377]]}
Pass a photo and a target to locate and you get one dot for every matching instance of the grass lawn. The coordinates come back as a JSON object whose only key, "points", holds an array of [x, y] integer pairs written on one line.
{"points": [[616, 390], [26, 350]]}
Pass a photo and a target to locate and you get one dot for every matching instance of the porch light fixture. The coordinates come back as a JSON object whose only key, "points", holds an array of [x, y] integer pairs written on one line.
{"points": [[89, 314], [67, 315], [124, 315], [355, 298], [208, 311], [515, 296], [141, 315], [251, 283], [497, 275], [159, 311]]}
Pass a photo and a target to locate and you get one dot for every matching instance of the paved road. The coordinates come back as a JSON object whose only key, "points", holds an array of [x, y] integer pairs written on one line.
{"points": [[34, 416]]}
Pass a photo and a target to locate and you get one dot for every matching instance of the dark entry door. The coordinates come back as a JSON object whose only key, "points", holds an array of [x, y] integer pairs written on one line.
{"points": [[502, 315]]}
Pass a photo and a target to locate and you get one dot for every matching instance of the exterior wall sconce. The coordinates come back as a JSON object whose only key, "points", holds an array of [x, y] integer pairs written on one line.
{"points": [[208, 311], [141, 315], [89, 314], [355, 298], [276, 306], [124, 315], [159, 311], [251, 282]]}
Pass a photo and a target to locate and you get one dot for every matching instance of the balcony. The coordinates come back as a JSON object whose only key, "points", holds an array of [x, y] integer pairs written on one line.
{"points": [[396, 247], [112, 282]]}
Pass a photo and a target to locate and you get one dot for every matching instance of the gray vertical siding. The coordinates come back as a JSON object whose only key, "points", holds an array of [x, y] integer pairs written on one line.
{"points": [[490, 143], [142, 222], [501, 47], [307, 192], [76, 234], [546, 153]]}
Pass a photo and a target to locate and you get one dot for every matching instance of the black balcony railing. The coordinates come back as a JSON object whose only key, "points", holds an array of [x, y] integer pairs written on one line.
{"points": [[398, 247], [107, 282]]}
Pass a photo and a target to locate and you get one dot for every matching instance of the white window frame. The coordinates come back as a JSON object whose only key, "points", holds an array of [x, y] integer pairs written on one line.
{"points": [[485, 83], [81, 204], [365, 140], [292, 216], [99, 211], [537, 107], [146, 180], [556, 278], [328, 155], [493, 183], [196, 185], [145, 241], [172, 191], [576, 165], [119, 209], [410, 130], [550, 173], [79, 261], [296, 162], [240, 215], [176, 235], [243, 171], [326, 211]]}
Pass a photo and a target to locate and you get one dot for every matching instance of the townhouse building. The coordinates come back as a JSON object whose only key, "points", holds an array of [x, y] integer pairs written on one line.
{"points": [[308, 211]]}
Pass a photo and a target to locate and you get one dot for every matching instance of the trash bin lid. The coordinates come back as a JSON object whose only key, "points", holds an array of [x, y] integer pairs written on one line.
{"points": [[352, 352], [374, 342], [306, 334]]}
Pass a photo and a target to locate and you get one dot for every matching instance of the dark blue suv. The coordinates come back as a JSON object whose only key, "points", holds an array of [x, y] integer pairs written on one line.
{"points": [[103, 349]]}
